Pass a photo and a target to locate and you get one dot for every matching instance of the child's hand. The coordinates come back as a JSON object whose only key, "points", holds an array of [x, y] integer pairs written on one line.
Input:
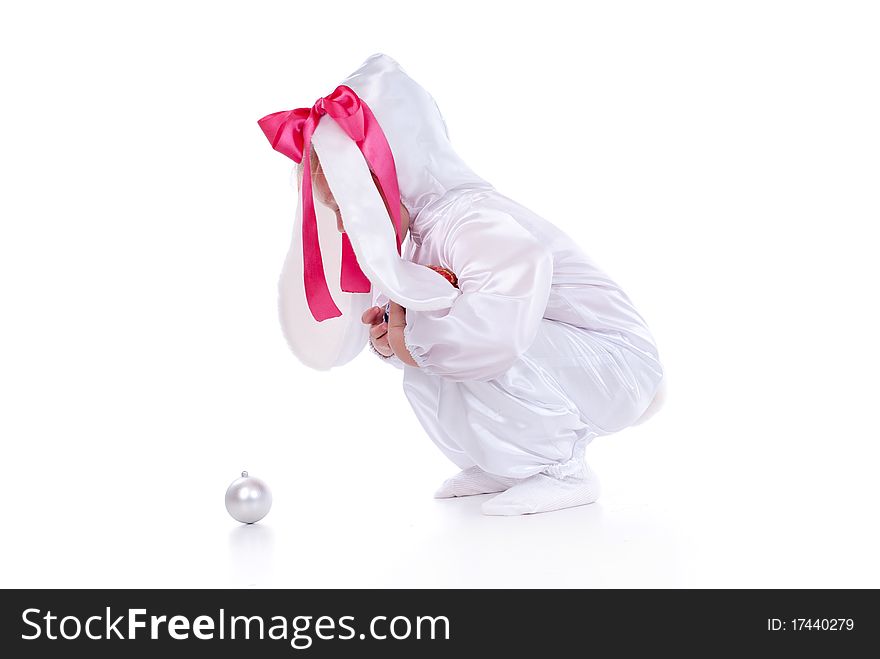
{"points": [[375, 318], [396, 325]]}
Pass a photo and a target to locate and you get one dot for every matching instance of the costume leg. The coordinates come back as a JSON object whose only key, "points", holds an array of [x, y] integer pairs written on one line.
{"points": [[570, 386], [424, 393]]}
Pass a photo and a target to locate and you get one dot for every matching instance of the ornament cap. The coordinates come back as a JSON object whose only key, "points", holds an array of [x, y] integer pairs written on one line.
{"points": [[244, 474]]}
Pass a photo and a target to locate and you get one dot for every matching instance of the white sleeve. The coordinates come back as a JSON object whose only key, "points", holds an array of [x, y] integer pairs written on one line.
{"points": [[394, 360], [504, 274]]}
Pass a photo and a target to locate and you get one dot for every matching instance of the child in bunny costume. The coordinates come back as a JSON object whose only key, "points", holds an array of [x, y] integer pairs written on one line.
{"points": [[516, 348]]}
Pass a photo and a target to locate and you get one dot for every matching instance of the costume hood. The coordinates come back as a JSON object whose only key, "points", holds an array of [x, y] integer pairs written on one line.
{"points": [[427, 167]]}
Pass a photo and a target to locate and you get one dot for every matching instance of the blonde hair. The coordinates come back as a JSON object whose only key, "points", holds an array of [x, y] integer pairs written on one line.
{"points": [[314, 163], [298, 168]]}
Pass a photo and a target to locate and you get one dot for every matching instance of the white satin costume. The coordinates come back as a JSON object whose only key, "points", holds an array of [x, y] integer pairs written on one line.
{"points": [[536, 353]]}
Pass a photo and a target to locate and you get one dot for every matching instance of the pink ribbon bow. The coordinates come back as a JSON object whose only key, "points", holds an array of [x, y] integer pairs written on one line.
{"points": [[290, 132]]}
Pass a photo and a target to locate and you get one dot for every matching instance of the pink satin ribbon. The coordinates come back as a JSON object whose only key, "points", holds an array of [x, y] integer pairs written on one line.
{"points": [[290, 132]]}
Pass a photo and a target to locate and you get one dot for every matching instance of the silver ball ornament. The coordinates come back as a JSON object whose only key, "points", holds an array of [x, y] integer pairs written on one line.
{"points": [[248, 499]]}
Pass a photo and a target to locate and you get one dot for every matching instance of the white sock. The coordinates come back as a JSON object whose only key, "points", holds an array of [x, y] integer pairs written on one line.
{"points": [[472, 481], [544, 492]]}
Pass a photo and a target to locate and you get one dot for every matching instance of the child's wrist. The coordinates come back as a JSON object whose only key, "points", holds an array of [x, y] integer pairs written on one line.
{"points": [[375, 350]]}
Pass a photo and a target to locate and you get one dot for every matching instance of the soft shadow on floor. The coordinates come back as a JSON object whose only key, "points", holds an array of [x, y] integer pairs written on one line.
{"points": [[598, 545], [252, 554]]}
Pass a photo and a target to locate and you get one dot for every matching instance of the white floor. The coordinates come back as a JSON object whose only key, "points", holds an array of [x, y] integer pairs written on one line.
{"points": [[354, 509]]}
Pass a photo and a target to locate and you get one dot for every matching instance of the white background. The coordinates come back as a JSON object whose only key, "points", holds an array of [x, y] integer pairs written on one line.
{"points": [[720, 160]]}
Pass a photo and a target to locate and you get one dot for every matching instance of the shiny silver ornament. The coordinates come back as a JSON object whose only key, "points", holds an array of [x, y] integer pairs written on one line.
{"points": [[248, 499]]}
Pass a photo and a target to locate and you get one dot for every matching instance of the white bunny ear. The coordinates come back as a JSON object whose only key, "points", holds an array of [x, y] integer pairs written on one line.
{"points": [[369, 228], [332, 342]]}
